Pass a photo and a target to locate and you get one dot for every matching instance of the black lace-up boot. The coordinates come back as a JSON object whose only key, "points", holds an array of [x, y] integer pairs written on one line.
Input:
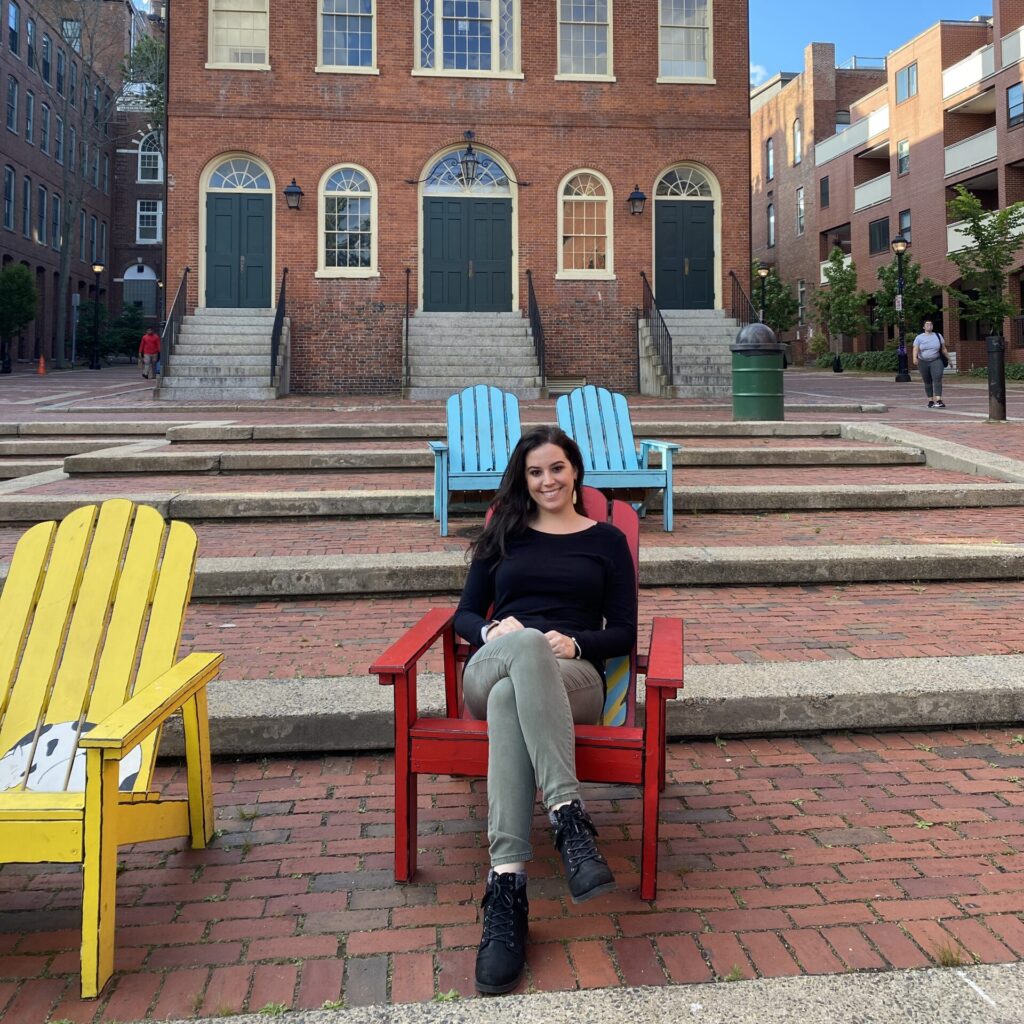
{"points": [[502, 954], [586, 870]]}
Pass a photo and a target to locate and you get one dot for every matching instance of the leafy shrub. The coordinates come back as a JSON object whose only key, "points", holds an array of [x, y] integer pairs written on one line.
{"points": [[1014, 371], [873, 362]]}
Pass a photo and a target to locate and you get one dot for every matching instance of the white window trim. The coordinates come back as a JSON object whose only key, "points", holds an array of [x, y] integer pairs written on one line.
{"points": [[227, 65], [708, 79], [517, 48], [345, 69], [137, 153], [139, 240], [800, 198], [609, 75], [608, 273], [322, 270]]}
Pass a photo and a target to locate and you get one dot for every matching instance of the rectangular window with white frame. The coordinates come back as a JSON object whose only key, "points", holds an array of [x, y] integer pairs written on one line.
{"points": [[903, 156], [26, 206], [348, 36], [44, 129], [56, 228], [58, 140], [10, 182], [41, 215], [584, 39], [239, 35], [1015, 105], [12, 104], [684, 41], [800, 211], [92, 239], [30, 117], [801, 302], [905, 225], [468, 38], [149, 221]]}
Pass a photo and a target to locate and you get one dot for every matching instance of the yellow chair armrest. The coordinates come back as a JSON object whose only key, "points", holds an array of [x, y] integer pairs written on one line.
{"points": [[150, 707]]}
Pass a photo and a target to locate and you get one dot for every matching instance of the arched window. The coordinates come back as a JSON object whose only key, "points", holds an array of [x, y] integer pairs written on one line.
{"points": [[348, 223], [798, 142], [769, 159], [585, 226], [151, 160], [771, 225], [684, 183], [447, 177], [239, 173]]}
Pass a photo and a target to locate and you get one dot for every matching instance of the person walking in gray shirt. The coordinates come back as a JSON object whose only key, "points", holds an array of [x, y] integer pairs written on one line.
{"points": [[931, 357]]}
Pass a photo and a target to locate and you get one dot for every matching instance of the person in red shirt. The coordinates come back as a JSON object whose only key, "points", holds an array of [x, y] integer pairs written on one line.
{"points": [[149, 353]]}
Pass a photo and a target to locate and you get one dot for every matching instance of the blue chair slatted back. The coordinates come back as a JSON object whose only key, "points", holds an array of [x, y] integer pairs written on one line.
{"points": [[598, 421], [483, 428]]}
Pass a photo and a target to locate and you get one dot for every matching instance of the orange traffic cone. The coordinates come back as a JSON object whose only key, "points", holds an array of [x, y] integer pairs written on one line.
{"points": [[42, 366]]}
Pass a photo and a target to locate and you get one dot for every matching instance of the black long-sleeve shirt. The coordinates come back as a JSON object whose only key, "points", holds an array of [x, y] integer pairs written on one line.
{"points": [[581, 584]]}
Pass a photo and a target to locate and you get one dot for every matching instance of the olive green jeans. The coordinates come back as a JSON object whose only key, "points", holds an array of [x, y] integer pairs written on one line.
{"points": [[530, 700]]}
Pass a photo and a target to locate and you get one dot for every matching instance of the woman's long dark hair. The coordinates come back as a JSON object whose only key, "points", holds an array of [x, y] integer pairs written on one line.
{"points": [[513, 508]]}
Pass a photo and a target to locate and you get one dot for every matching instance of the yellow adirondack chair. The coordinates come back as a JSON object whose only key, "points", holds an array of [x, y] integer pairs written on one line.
{"points": [[90, 623]]}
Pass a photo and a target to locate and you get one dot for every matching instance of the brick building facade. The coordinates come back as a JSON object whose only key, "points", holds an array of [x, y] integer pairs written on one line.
{"points": [[60, 150], [369, 112], [883, 149]]}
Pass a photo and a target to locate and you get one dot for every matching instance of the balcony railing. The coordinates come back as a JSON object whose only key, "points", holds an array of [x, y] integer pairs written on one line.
{"points": [[978, 149], [822, 279], [877, 190], [850, 138], [1012, 47], [956, 237], [971, 70]]}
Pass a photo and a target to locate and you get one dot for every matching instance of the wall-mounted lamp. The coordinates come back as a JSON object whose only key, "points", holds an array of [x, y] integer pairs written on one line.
{"points": [[469, 161], [293, 196], [636, 201]]}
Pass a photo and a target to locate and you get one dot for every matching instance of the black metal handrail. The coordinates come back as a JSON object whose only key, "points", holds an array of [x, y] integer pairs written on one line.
{"points": [[742, 311], [405, 337], [660, 336], [275, 337], [536, 327], [173, 318]]}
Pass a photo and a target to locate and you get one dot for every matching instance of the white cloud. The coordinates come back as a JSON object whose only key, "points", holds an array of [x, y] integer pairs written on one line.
{"points": [[758, 74]]}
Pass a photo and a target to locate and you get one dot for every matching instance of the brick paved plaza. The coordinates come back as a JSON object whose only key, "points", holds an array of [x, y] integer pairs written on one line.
{"points": [[781, 855]]}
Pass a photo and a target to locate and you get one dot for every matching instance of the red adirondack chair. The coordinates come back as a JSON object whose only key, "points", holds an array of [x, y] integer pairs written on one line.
{"points": [[457, 745]]}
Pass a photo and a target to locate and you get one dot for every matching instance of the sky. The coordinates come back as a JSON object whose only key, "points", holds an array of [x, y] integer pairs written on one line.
{"points": [[780, 29]]}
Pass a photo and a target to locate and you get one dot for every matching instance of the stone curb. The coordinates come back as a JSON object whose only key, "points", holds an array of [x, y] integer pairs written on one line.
{"points": [[129, 460], [434, 430], [968, 995], [443, 572], [85, 428], [242, 504], [278, 716], [941, 454]]}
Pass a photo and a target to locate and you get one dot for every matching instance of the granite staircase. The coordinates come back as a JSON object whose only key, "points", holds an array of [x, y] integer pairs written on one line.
{"points": [[450, 351], [223, 355], [701, 360]]}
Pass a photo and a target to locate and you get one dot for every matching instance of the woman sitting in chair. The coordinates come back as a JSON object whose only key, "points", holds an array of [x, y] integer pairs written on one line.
{"points": [[562, 593]]}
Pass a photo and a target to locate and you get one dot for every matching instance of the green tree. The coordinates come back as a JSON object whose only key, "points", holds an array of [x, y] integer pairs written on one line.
{"points": [[984, 265], [126, 332], [840, 305], [18, 303], [780, 304], [145, 72], [918, 296], [90, 316]]}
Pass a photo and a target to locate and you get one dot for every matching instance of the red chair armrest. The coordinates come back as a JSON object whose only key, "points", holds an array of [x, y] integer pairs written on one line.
{"points": [[665, 660], [400, 657]]}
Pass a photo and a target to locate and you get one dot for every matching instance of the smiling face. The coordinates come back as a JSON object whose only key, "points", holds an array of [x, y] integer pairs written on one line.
{"points": [[550, 478]]}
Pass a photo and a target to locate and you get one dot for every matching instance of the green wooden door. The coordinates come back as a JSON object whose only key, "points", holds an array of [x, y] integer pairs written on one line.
{"points": [[467, 255], [238, 255], [684, 254]]}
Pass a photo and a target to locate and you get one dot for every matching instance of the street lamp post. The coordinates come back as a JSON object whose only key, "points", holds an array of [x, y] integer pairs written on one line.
{"points": [[763, 272], [94, 360], [900, 246]]}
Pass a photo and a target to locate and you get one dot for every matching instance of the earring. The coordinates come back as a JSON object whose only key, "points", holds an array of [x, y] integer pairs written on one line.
{"points": [[574, 496]]}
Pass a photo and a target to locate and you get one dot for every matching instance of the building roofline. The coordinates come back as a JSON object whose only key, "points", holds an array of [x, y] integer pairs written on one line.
{"points": [[938, 25]]}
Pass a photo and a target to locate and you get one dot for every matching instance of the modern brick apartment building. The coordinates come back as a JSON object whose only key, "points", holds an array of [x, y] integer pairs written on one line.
{"points": [[366, 106], [49, 92], [880, 149]]}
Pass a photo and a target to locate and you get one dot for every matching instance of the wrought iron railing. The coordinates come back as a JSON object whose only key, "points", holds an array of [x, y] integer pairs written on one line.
{"points": [[275, 337], [173, 318], [536, 327], [742, 309], [661, 339], [405, 334]]}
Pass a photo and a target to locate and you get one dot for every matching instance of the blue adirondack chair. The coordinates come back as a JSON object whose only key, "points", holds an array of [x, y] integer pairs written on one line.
{"points": [[483, 428], [598, 421]]}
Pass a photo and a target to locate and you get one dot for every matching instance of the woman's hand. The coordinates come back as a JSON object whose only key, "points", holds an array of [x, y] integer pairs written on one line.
{"points": [[504, 626], [561, 645]]}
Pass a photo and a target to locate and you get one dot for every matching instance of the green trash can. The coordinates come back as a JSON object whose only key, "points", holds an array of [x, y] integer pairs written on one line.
{"points": [[757, 363]]}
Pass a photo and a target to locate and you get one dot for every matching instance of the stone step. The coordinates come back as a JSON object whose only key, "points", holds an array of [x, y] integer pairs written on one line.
{"points": [[222, 351], [196, 378], [432, 368], [468, 336], [431, 346], [12, 469], [242, 333], [450, 383], [260, 359], [179, 393], [698, 391], [426, 392], [514, 314], [224, 311]]}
